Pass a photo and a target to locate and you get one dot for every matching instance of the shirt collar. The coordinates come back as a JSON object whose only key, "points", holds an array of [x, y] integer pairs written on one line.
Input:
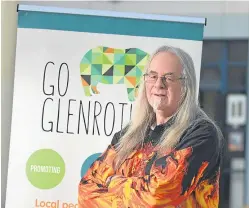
{"points": [[161, 127]]}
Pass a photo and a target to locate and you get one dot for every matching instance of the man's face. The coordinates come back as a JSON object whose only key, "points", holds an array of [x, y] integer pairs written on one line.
{"points": [[164, 94]]}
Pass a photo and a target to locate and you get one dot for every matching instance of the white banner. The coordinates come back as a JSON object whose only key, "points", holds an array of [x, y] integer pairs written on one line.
{"points": [[73, 90]]}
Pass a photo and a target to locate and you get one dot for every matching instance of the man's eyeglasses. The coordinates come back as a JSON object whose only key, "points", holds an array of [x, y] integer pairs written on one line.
{"points": [[169, 79]]}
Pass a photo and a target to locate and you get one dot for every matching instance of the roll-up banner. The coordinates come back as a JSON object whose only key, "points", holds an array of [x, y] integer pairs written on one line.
{"points": [[76, 78]]}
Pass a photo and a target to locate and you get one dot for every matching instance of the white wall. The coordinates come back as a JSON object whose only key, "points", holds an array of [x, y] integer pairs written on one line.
{"points": [[225, 20], [8, 41]]}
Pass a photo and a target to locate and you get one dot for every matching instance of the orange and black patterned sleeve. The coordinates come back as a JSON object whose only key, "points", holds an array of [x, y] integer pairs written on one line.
{"points": [[94, 181]]}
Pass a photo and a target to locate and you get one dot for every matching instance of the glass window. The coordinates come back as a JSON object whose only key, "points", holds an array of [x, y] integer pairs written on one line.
{"points": [[208, 102], [237, 78], [212, 51], [210, 78], [238, 50]]}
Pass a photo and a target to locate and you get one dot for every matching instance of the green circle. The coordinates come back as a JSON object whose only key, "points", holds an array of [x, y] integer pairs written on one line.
{"points": [[45, 169]]}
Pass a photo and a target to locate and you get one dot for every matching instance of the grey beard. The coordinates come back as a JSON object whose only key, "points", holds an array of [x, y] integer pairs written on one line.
{"points": [[156, 103]]}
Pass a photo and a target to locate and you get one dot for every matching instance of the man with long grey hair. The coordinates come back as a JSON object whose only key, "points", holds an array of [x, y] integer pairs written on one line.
{"points": [[169, 155]]}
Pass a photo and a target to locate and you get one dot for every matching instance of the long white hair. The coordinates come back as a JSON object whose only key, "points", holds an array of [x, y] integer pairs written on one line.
{"points": [[144, 117]]}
